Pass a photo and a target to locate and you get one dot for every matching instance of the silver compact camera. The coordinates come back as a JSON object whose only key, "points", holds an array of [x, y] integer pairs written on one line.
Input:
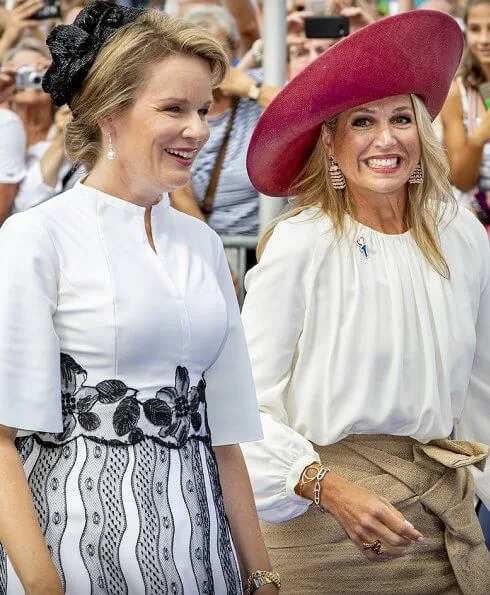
{"points": [[29, 78]]}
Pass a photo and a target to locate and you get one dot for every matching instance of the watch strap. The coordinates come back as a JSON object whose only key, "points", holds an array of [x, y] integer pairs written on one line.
{"points": [[254, 91], [259, 578]]}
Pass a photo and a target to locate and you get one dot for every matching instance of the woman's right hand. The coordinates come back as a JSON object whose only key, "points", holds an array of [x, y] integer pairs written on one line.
{"points": [[367, 517]]}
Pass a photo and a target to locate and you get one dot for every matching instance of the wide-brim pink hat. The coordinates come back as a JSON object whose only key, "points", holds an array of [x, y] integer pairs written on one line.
{"points": [[415, 52]]}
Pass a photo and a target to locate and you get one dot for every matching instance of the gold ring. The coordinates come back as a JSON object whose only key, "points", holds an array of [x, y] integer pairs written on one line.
{"points": [[375, 546]]}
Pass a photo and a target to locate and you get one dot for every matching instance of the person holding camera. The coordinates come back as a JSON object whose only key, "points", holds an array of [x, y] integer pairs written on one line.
{"points": [[12, 146], [124, 372], [466, 117], [47, 171], [368, 324]]}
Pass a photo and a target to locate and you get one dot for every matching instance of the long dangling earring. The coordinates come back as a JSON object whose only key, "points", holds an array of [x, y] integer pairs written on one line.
{"points": [[336, 175], [417, 176], [111, 154]]}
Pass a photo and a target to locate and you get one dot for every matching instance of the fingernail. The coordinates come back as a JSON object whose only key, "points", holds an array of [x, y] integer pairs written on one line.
{"points": [[420, 539], [408, 523]]}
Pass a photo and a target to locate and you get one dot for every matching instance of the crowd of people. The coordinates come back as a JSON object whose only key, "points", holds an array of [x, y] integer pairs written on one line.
{"points": [[153, 437]]}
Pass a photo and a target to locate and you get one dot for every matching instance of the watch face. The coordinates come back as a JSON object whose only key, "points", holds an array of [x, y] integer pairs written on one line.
{"points": [[260, 579], [254, 92]]}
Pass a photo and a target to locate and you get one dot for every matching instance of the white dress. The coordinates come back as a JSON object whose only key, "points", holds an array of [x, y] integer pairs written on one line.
{"points": [[118, 430], [363, 336]]}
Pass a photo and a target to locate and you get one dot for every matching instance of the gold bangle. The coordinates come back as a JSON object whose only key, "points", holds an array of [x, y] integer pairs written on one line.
{"points": [[318, 473], [318, 488], [260, 578]]}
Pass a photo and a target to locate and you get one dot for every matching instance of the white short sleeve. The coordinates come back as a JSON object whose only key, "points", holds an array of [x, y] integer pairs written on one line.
{"points": [[233, 413], [29, 347], [13, 146]]}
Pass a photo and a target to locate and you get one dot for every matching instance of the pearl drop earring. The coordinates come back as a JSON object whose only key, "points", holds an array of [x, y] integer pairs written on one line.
{"points": [[111, 154]]}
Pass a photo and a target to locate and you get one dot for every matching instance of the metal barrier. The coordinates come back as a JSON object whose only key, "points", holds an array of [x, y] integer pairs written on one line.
{"points": [[236, 251]]}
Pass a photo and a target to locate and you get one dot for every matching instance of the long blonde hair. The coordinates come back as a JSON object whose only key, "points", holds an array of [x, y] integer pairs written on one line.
{"points": [[426, 205]]}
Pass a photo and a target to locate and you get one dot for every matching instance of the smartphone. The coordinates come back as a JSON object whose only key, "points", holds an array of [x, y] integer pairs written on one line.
{"points": [[484, 90], [326, 27], [50, 10]]}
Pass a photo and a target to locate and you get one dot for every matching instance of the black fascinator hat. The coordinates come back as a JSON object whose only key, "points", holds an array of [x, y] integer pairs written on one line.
{"points": [[75, 47]]}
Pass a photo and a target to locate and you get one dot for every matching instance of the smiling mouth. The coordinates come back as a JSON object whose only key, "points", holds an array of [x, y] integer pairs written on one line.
{"points": [[385, 164], [183, 157]]}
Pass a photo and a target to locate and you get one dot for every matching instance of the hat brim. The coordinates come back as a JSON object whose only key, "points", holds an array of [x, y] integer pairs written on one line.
{"points": [[416, 52]]}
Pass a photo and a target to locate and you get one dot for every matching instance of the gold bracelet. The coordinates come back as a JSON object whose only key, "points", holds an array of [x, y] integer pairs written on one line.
{"points": [[318, 488], [317, 469], [260, 578]]}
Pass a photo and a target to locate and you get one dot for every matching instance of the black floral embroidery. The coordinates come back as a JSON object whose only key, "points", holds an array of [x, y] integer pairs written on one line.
{"points": [[77, 400], [181, 406], [174, 409]]}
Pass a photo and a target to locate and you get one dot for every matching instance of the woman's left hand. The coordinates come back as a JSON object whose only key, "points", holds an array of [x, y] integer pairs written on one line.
{"points": [[367, 517]]}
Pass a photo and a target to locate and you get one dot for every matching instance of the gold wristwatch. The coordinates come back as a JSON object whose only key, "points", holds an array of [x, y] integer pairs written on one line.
{"points": [[254, 91], [259, 578]]}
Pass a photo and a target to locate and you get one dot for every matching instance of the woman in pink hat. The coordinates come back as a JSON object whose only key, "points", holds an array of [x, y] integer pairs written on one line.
{"points": [[368, 325]]}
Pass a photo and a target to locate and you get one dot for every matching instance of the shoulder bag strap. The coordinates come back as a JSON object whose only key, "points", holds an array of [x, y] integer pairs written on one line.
{"points": [[207, 204]]}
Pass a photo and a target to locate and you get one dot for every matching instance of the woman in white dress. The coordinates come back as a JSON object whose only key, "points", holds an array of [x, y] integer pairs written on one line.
{"points": [[123, 367], [368, 326]]}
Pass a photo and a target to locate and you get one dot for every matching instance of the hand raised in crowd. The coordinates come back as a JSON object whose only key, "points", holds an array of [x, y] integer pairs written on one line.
{"points": [[62, 117], [237, 83], [18, 19], [482, 132], [7, 83], [295, 23], [367, 517], [295, 35], [358, 17], [359, 13]]}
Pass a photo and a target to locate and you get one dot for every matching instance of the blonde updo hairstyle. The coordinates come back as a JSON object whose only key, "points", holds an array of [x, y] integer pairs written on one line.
{"points": [[121, 69], [427, 202]]}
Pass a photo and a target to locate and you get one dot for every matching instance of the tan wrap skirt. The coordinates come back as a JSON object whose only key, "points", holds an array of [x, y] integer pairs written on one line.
{"points": [[430, 484]]}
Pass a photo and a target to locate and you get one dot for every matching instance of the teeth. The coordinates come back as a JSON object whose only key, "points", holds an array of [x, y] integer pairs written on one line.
{"points": [[184, 154], [381, 163]]}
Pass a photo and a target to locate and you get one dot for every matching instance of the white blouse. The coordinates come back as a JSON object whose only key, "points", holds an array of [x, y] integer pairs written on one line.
{"points": [[362, 336]]}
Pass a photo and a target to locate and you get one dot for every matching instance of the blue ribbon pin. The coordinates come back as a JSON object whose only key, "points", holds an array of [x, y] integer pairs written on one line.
{"points": [[362, 246]]}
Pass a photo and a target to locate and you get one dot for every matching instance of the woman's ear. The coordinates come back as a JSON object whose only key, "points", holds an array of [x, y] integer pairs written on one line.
{"points": [[106, 126], [327, 140]]}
